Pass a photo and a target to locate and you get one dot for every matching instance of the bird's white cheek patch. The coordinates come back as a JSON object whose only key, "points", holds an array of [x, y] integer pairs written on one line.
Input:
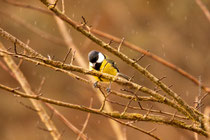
{"points": [[91, 64], [100, 58]]}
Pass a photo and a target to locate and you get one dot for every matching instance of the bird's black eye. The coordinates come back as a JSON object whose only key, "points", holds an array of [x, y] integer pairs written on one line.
{"points": [[93, 56]]}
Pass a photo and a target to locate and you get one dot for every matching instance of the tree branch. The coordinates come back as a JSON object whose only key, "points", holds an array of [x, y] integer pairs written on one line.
{"points": [[26, 87], [126, 116]]}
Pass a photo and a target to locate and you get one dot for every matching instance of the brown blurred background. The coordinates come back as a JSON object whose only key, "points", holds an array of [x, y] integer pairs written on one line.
{"points": [[176, 30]]}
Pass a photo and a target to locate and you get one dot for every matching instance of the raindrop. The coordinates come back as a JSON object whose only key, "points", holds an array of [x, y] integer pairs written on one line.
{"points": [[133, 31], [192, 45], [69, 30], [164, 54], [187, 93], [172, 4], [148, 2], [163, 46], [35, 22], [186, 57]]}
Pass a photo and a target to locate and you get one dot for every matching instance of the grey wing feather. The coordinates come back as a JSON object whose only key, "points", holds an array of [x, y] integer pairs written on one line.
{"points": [[115, 66]]}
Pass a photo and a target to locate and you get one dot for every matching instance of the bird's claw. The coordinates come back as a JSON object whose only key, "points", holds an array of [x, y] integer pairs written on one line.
{"points": [[108, 90], [95, 85]]}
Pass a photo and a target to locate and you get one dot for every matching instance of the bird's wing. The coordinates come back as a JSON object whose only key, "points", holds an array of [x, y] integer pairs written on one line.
{"points": [[113, 64]]}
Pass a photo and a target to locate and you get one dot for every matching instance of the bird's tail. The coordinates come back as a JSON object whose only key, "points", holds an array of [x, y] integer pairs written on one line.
{"points": [[123, 76]]}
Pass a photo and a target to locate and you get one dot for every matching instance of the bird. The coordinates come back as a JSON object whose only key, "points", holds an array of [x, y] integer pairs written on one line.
{"points": [[99, 62]]}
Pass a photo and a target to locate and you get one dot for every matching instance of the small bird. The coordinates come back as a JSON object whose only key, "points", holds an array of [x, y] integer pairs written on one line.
{"points": [[99, 62]]}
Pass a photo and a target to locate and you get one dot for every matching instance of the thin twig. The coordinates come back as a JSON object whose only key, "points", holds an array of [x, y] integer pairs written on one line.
{"points": [[135, 93], [127, 106], [121, 43], [147, 66], [40, 86], [34, 29], [69, 51], [4, 67], [21, 4], [160, 79], [148, 111], [137, 60], [72, 57], [86, 121], [104, 101], [63, 6], [154, 129], [28, 107], [204, 9]]}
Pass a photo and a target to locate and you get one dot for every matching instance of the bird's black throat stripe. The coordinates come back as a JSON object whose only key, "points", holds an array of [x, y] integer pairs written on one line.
{"points": [[97, 66]]}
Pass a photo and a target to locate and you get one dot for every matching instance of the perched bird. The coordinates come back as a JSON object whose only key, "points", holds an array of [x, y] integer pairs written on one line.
{"points": [[99, 62]]}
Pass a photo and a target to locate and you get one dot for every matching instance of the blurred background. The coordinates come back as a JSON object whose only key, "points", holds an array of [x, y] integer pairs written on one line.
{"points": [[177, 31]]}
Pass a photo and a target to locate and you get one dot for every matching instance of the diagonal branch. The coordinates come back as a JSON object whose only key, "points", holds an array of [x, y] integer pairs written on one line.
{"points": [[58, 66], [86, 121], [27, 88], [116, 115], [67, 123], [204, 9]]}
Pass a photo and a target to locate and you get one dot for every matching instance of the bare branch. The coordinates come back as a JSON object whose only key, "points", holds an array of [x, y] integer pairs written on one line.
{"points": [[127, 106], [63, 6], [40, 87], [86, 121], [119, 47], [127, 116], [28, 107], [69, 51], [204, 9], [27, 88], [72, 57], [66, 122], [137, 60], [58, 66]]}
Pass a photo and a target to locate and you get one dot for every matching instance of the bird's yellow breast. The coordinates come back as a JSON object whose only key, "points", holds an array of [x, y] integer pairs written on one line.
{"points": [[105, 67]]}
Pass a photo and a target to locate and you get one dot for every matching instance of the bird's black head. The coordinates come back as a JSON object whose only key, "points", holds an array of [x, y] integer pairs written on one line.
{"points": [[96, 57], [93, 56]]}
